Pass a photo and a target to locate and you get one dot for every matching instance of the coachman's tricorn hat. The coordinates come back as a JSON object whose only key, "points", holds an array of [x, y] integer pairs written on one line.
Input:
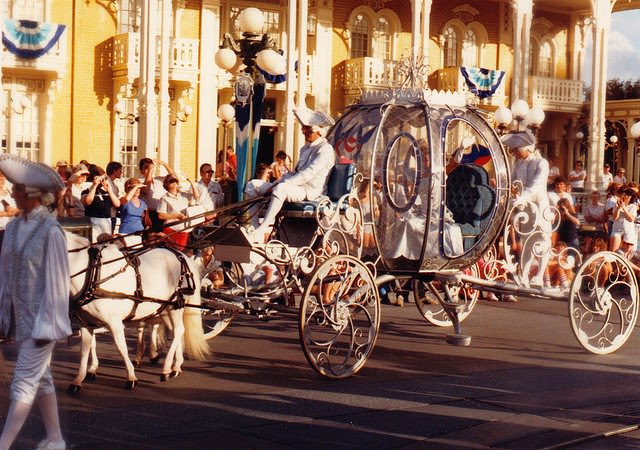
{"points": [[31, 174], [519, 139]]}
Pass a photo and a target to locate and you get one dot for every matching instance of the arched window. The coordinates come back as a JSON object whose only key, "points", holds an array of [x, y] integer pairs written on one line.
{"points": [[129, 13], [545, 60], [470, 49], [382, 41], [372, 33], [450, 47], [359, 37]]}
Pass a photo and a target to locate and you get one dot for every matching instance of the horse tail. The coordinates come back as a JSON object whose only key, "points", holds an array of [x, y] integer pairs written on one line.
{"points": [[161, 335], [195, 344]]}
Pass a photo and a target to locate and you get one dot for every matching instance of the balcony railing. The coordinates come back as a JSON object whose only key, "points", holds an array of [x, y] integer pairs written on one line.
{"points": [[556, 94], [370, 73], [450, 79], [183, 57], [54, 61]]}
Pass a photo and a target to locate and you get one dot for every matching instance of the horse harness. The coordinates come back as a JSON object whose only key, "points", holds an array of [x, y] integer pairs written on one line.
{"points": [[91, 289]]}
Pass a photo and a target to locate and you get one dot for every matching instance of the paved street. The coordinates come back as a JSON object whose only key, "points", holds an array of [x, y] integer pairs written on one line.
{"points": [[523, 383]]}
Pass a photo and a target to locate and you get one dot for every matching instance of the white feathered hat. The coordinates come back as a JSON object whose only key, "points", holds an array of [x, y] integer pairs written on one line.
{"points": [[310, 118], [31, 174], [519, 139]]}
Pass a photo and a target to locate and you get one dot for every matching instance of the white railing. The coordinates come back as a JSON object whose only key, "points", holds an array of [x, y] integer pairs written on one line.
{"points": [[555, 91], [55, 60], [366, 72], [183, 57]]}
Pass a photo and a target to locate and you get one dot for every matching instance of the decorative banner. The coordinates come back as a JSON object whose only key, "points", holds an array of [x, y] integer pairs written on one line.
{"points": [[249, 99], [482, 82], [28, 39], [259, 92], [243, 117], [274, 79]]}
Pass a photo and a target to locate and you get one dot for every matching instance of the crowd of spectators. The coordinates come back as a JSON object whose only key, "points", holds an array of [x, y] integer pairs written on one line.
{"points": [[588, 222], [134, 208]]}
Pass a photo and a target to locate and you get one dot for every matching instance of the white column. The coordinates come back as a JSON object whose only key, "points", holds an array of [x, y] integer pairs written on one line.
{"points": [[303, 13], [576, 46], [522, 12], [321, 81], [416, 7], [163, 107], [426, 19], [601, 27], [208, 122], [146, 94], [289, 119], [47, 129]]}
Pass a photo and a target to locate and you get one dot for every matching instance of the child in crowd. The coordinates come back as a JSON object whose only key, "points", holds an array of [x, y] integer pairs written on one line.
{"points": [[281, 165], [624, 216], [569, 222], [559, 272]]}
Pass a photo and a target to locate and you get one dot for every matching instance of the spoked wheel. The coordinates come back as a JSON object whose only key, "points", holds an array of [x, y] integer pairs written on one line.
{"points": [[339, 317], [603, 304], [430, 307], [251, 278], [215, 322]]}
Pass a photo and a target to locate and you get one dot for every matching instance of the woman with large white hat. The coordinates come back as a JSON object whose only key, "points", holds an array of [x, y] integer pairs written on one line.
{"points": [[34, 295]]}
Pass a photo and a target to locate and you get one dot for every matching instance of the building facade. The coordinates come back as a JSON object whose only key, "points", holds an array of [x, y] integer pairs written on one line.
{"points": [[126, 79]]}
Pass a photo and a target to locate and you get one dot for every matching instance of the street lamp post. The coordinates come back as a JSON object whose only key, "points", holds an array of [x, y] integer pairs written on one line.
{"points": [[257, 54], [583, 142], [226, 113], [532, 118]]}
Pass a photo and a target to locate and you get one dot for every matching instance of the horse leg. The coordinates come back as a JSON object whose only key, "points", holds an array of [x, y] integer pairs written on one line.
{"points": [[86, 338], [137, 361], [174, 358], [117, 331], [93, 367], [154, 356]]}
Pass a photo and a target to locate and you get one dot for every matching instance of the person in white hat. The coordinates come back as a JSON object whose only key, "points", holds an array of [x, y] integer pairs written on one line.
{"points": [[34, 295], [308, 181], [531, 171]]}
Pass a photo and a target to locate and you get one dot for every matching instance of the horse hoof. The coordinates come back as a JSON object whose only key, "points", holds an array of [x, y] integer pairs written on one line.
{"points": [[155, 359], [165, 377], [175, 373], [90, 377], [137, 364], [73, 389], [131, 385]]}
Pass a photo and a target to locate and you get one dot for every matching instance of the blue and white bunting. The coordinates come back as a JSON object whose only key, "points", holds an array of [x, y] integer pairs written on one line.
{"points": [[482, 82], [28, 39]]}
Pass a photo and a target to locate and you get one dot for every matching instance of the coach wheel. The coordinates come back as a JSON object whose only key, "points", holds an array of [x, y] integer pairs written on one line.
{"points": [[339, 317], [603, 305]]}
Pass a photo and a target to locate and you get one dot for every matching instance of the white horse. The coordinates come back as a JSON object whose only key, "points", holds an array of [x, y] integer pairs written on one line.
{"points": [[123, 293]]}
